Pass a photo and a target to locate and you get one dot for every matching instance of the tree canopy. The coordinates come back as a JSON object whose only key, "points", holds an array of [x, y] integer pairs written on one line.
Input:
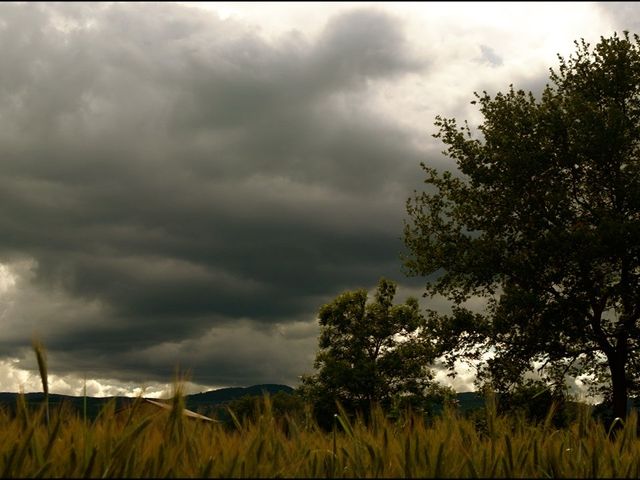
{"points": [[542, 221], [368, 353]]}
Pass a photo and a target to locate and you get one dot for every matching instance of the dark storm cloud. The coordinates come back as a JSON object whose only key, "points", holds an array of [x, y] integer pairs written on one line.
{"points": [[177, 179], [232, 354]]}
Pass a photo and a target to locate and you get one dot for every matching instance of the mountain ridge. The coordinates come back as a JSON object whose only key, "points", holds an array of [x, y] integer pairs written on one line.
{"points": [[209, 398]]}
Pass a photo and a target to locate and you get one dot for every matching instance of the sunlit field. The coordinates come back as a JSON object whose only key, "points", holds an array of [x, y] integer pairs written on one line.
{"points": [[138, 442]]}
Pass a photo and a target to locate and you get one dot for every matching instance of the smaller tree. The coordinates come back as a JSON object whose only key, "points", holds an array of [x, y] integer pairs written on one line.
{"points": [[535, 400], [369, 353], [282, 404]]}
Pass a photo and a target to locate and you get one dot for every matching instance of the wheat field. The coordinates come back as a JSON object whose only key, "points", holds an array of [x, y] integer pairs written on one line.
{"points": [[137, 443], [144, 443]]}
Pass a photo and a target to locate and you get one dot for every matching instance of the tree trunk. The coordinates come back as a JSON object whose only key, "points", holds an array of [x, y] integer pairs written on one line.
{"points": [[619, 387]]}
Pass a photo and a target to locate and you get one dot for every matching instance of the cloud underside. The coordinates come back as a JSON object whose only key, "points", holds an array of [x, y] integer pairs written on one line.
{"points": [[176, 188]]}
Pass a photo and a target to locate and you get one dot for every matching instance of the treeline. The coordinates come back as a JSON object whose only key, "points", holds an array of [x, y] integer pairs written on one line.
{"points": [[533, 403]]}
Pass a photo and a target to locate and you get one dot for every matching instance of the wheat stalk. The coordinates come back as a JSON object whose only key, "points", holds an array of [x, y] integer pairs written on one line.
{"points": [[41, 356]]}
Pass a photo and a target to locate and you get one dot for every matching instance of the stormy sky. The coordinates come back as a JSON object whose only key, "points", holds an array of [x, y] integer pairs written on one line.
{"points": [[184, 185]]}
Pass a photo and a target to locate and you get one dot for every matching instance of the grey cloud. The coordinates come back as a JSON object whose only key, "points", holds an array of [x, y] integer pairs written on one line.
{"points": [[490, 55], [171, 173], [624, 15], [362, 44], [235, 355]]}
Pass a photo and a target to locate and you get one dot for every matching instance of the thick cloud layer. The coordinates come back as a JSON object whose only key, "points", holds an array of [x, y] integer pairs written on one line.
{"points": [[174, 188], [178, 189]]}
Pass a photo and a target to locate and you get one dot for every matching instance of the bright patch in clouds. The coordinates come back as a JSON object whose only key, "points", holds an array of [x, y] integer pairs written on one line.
{"points": [[7, 279], [15, 379]]}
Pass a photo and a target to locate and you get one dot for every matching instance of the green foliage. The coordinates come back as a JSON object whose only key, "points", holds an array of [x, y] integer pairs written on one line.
{"points": [[250, 407], [368, 353], [544, 224], [535, 400], [434, 399]]}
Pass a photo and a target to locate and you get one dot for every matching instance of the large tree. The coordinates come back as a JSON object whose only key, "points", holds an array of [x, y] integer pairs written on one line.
{"points": [[542, 220], [369, 353]]}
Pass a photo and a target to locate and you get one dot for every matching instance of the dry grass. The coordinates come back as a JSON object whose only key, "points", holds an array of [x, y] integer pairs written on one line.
{"points": [[166, 444], [141, 443]]}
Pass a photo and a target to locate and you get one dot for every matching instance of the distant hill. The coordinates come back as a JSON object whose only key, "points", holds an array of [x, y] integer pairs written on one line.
{"points": [[473, 400], [94, 404], [206, 401], [192, 402], [224, 395], [469, 401]]}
